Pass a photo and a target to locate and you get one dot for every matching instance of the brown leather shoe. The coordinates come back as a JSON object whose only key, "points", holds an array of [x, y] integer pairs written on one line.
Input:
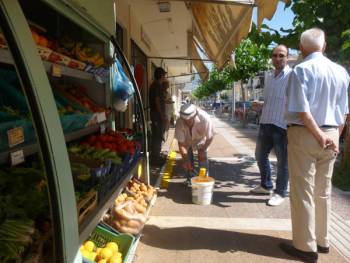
{"points": [[324, 250], [308, 257]]}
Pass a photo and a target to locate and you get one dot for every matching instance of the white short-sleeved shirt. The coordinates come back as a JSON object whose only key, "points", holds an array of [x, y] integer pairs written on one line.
{"points": [[275, 98], [201, 131], [319, 86]]}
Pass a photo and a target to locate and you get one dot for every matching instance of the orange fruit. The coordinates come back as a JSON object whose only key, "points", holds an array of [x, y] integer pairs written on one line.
{"points": [[36, 37]]}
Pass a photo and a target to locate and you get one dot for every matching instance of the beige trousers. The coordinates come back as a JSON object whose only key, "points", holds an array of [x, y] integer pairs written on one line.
{"points": [[310, 172]]}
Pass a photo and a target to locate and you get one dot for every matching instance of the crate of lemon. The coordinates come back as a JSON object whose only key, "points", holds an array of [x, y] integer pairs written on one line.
{"points": [[104, 246]]}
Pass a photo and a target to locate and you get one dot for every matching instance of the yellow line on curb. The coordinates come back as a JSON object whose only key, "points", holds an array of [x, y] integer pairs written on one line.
{"points": [[169, 166]]}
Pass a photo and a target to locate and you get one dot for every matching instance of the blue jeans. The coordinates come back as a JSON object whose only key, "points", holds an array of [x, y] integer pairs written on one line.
{"points": [[272, 137], [202, 164]]}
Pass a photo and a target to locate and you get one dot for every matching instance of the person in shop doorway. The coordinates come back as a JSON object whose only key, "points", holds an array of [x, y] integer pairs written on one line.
{"points": [[317, 104], [168, 105], [272, 130], [194, 131], [158, 117]]}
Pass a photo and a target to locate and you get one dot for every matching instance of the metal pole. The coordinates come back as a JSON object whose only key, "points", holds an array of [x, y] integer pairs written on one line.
{"points": [[233, 102], [227, 2], [182, 58], [139, 100], [183, 75]]}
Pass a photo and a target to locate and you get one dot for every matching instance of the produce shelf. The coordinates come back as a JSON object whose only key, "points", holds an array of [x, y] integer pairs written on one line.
{"points": [[132, 252], [95, 217], [32, 148], [133, 248], [28, 149], [81, 133], [5, 57], [69, 72]]}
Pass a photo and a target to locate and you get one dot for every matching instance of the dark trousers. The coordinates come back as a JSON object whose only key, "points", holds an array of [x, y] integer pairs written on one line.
{"points": [[157, 136], [201, 164], [272, 137]]}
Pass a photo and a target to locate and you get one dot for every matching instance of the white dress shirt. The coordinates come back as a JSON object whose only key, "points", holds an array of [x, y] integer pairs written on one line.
{"points": [[319, 86]]}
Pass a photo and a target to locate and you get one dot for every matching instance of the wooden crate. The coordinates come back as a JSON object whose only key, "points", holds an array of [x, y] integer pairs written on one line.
{"points": [[86, 205], [39, 255]]}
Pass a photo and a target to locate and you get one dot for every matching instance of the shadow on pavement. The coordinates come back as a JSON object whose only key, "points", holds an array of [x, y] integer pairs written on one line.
{"points": [[154, 173], [228, 177], [193, 238]]}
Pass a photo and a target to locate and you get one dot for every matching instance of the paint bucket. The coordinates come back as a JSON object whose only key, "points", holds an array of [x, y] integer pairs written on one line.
{"points": [[202, 190]]}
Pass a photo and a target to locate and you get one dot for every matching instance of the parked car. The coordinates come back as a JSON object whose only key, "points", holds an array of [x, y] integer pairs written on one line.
{"points": [[250, 110], [241, 108]]}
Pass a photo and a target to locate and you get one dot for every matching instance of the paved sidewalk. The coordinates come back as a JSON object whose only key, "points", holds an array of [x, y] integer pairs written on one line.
{"points": [[237, 226]]}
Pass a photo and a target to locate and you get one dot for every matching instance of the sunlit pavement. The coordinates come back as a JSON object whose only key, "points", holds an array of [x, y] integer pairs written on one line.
{"points": [[237, 226]]}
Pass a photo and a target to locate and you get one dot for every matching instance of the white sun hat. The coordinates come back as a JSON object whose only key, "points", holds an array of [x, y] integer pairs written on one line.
{"points": [[187, 111]]}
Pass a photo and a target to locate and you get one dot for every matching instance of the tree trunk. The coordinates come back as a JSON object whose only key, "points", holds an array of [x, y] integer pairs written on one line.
{"points": [[243, 91]]}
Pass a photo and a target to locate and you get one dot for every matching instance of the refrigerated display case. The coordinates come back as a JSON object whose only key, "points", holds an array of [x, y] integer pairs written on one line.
{"points": [[58, 127]]}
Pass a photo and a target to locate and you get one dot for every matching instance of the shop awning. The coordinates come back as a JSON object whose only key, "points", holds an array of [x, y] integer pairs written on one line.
{"points": [[221, 26], [197, 63]]}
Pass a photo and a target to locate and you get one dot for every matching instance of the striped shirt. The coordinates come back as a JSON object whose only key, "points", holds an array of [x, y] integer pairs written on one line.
{"points": [[320, 87], [275, 98]]}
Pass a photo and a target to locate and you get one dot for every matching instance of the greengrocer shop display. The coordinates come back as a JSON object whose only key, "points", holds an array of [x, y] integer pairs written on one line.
{"points": [[105, 160]]}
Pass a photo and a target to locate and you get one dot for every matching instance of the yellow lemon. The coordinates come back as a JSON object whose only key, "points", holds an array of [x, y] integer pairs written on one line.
{"points": [[115, 259], [113, 246], [93, 256], [85, 254], [106, 253], [89, 246], [118, 254], [82, 248], [103, 261], [98, 250]]}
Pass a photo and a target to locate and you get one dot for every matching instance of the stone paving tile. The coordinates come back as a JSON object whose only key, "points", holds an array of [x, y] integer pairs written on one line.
{"points": [[198, 245], [235, 173]]}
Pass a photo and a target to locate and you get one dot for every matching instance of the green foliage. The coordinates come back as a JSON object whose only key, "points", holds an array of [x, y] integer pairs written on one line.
{"points": [[23, 198], [15, 235], [251, 57], [223, 96], [331, 16], [346, 44], [23, 193], [215, 83], [341, 177]]}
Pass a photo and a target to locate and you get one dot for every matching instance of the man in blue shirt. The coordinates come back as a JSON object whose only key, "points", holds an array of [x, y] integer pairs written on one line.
{"points": [[317, 104], [272, 130]]}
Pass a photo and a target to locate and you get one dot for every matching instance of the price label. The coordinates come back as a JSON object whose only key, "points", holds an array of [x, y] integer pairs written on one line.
{"points": [[15, 136], [17, 157], [56, 70]]}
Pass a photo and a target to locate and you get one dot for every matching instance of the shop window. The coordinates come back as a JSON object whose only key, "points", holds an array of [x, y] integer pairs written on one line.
{"points": [[26, 223], [139, 63]]}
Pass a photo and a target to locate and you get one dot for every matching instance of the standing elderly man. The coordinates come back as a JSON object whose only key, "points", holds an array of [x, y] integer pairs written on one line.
{"points": [[317, 104], [193, 131], [272, 130]]}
